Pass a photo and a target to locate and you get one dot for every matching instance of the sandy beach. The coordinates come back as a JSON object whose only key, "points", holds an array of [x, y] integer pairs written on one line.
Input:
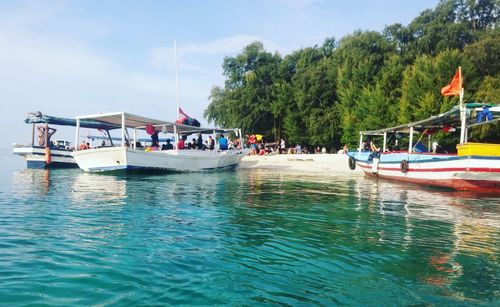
{"points": [[324, 164]]}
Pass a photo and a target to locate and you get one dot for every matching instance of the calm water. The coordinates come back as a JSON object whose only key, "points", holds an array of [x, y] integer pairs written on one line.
{"points": [[241, 238]]}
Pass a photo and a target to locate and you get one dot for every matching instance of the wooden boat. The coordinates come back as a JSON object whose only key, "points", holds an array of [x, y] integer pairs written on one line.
{"points": [[58, 153], [130, 157], [475, 167]]}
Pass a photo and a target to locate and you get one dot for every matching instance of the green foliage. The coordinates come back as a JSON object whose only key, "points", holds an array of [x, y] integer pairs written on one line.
{"points": [[324, 95]]}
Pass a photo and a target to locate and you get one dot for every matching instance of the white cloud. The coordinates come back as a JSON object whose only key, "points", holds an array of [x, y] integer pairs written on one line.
{"points": [[164, 56], [299, 4]]}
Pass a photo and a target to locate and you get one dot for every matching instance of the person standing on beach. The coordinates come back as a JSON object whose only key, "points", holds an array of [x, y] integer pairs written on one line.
{"points": [[282, 146]]}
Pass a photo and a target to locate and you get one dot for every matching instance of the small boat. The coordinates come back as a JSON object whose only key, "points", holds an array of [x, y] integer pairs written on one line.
{"points": [[128, 156], [44, 153], [475, 167]]}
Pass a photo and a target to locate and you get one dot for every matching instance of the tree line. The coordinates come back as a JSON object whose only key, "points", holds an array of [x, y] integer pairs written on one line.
{"points": [[325, 94]]}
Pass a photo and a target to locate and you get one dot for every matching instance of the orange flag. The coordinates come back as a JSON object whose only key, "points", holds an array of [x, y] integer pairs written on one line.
{"points": [[454, 87]]}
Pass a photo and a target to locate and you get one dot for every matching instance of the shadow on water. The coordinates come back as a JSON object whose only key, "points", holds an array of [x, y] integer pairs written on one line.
{"points": [[261, 236]]}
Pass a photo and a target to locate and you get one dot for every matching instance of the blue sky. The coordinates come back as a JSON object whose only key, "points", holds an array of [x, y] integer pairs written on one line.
{"points": [[68, 58]]}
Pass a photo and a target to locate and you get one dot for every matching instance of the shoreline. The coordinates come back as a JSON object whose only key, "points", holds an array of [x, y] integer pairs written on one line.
{"points": [[325, 164]]}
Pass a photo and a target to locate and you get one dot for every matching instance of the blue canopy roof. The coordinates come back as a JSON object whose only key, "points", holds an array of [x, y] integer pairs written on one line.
{"points": [[39, 118]]}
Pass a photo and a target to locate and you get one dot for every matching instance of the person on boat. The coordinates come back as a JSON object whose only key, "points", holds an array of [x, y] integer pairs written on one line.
{"points": [[169, 145], [223, 142], [44, 135], [154, 139], [376, 150], [236, 143], [435, 146], [192, 145], [211, 143], [199, 142], [181, 143], [83, 146]]}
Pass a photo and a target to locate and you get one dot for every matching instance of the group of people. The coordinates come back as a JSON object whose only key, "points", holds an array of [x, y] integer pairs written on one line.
{"points": [[256, 143], [224, 143]]}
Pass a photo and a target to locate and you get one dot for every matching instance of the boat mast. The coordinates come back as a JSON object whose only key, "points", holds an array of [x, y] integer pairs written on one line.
{"points": [[177, 92], [176, 77]]}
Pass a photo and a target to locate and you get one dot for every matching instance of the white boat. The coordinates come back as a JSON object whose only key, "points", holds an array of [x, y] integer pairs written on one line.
{"points": [[475, 167], [130, 157], [58, 153]]}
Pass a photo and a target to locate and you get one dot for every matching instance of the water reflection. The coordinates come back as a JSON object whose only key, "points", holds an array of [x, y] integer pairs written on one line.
{"points": [[307, 239], [89, 188], [29, 182], [435, 230]]}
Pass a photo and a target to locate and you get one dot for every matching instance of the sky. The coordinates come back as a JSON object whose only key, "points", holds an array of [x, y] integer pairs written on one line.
{"points": [[68, 58]]}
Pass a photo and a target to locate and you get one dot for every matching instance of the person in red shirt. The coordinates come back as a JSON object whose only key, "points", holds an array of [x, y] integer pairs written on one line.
{"points": [[181, 143]]}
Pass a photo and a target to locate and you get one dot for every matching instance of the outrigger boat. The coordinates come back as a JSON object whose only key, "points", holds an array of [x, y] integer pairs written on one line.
{"points": [[475, 167], [130, 157], [56, 154]]}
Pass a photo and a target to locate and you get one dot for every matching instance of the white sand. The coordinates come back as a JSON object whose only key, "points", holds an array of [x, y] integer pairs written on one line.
{"points": [[326, 164]]}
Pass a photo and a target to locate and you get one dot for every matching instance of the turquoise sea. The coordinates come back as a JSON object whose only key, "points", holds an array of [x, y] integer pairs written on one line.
{"points": [[244, 238]]}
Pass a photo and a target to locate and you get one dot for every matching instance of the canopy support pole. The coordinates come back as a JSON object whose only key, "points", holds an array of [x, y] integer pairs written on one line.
{"points": [[462, 109], [410, 146], [110, 138], [385, 142], [135, 138], [360, 144], [123, 129], [77, 133], [176, 138]]}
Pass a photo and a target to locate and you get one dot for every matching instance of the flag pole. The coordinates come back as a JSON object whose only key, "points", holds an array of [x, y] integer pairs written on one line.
{"points": [[462, 108], [176, 77]]}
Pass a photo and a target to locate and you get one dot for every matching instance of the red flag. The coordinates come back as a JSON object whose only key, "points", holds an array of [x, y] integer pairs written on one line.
{"points": [[454, 87], [182, 112]]}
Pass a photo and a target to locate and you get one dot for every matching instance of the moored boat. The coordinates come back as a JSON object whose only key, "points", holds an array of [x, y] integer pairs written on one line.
{"points": [[475, 166], [128, 156], [41, 152]]}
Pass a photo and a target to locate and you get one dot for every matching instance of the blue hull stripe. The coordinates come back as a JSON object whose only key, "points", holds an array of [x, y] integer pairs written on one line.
{"points": [[132, 167]]}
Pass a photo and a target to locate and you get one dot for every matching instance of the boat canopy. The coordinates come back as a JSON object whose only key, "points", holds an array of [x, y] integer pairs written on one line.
{"points": [[450, 118], [140, 122], [39, 118]]}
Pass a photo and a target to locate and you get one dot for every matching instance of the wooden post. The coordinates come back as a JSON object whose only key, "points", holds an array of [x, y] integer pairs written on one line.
{"points": [[33, 136], [46, 135]]}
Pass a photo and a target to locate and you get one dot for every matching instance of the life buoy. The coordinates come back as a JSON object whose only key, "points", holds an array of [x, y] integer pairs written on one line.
{"points": [[352, 163], [404, 166]]}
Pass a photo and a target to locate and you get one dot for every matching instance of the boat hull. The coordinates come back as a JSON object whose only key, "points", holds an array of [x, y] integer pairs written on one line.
{"points": [[120, 158], [35, 157], [463, 173]]}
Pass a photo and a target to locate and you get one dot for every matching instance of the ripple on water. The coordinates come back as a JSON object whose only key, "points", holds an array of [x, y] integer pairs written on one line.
{"points": [[242, 238]]}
